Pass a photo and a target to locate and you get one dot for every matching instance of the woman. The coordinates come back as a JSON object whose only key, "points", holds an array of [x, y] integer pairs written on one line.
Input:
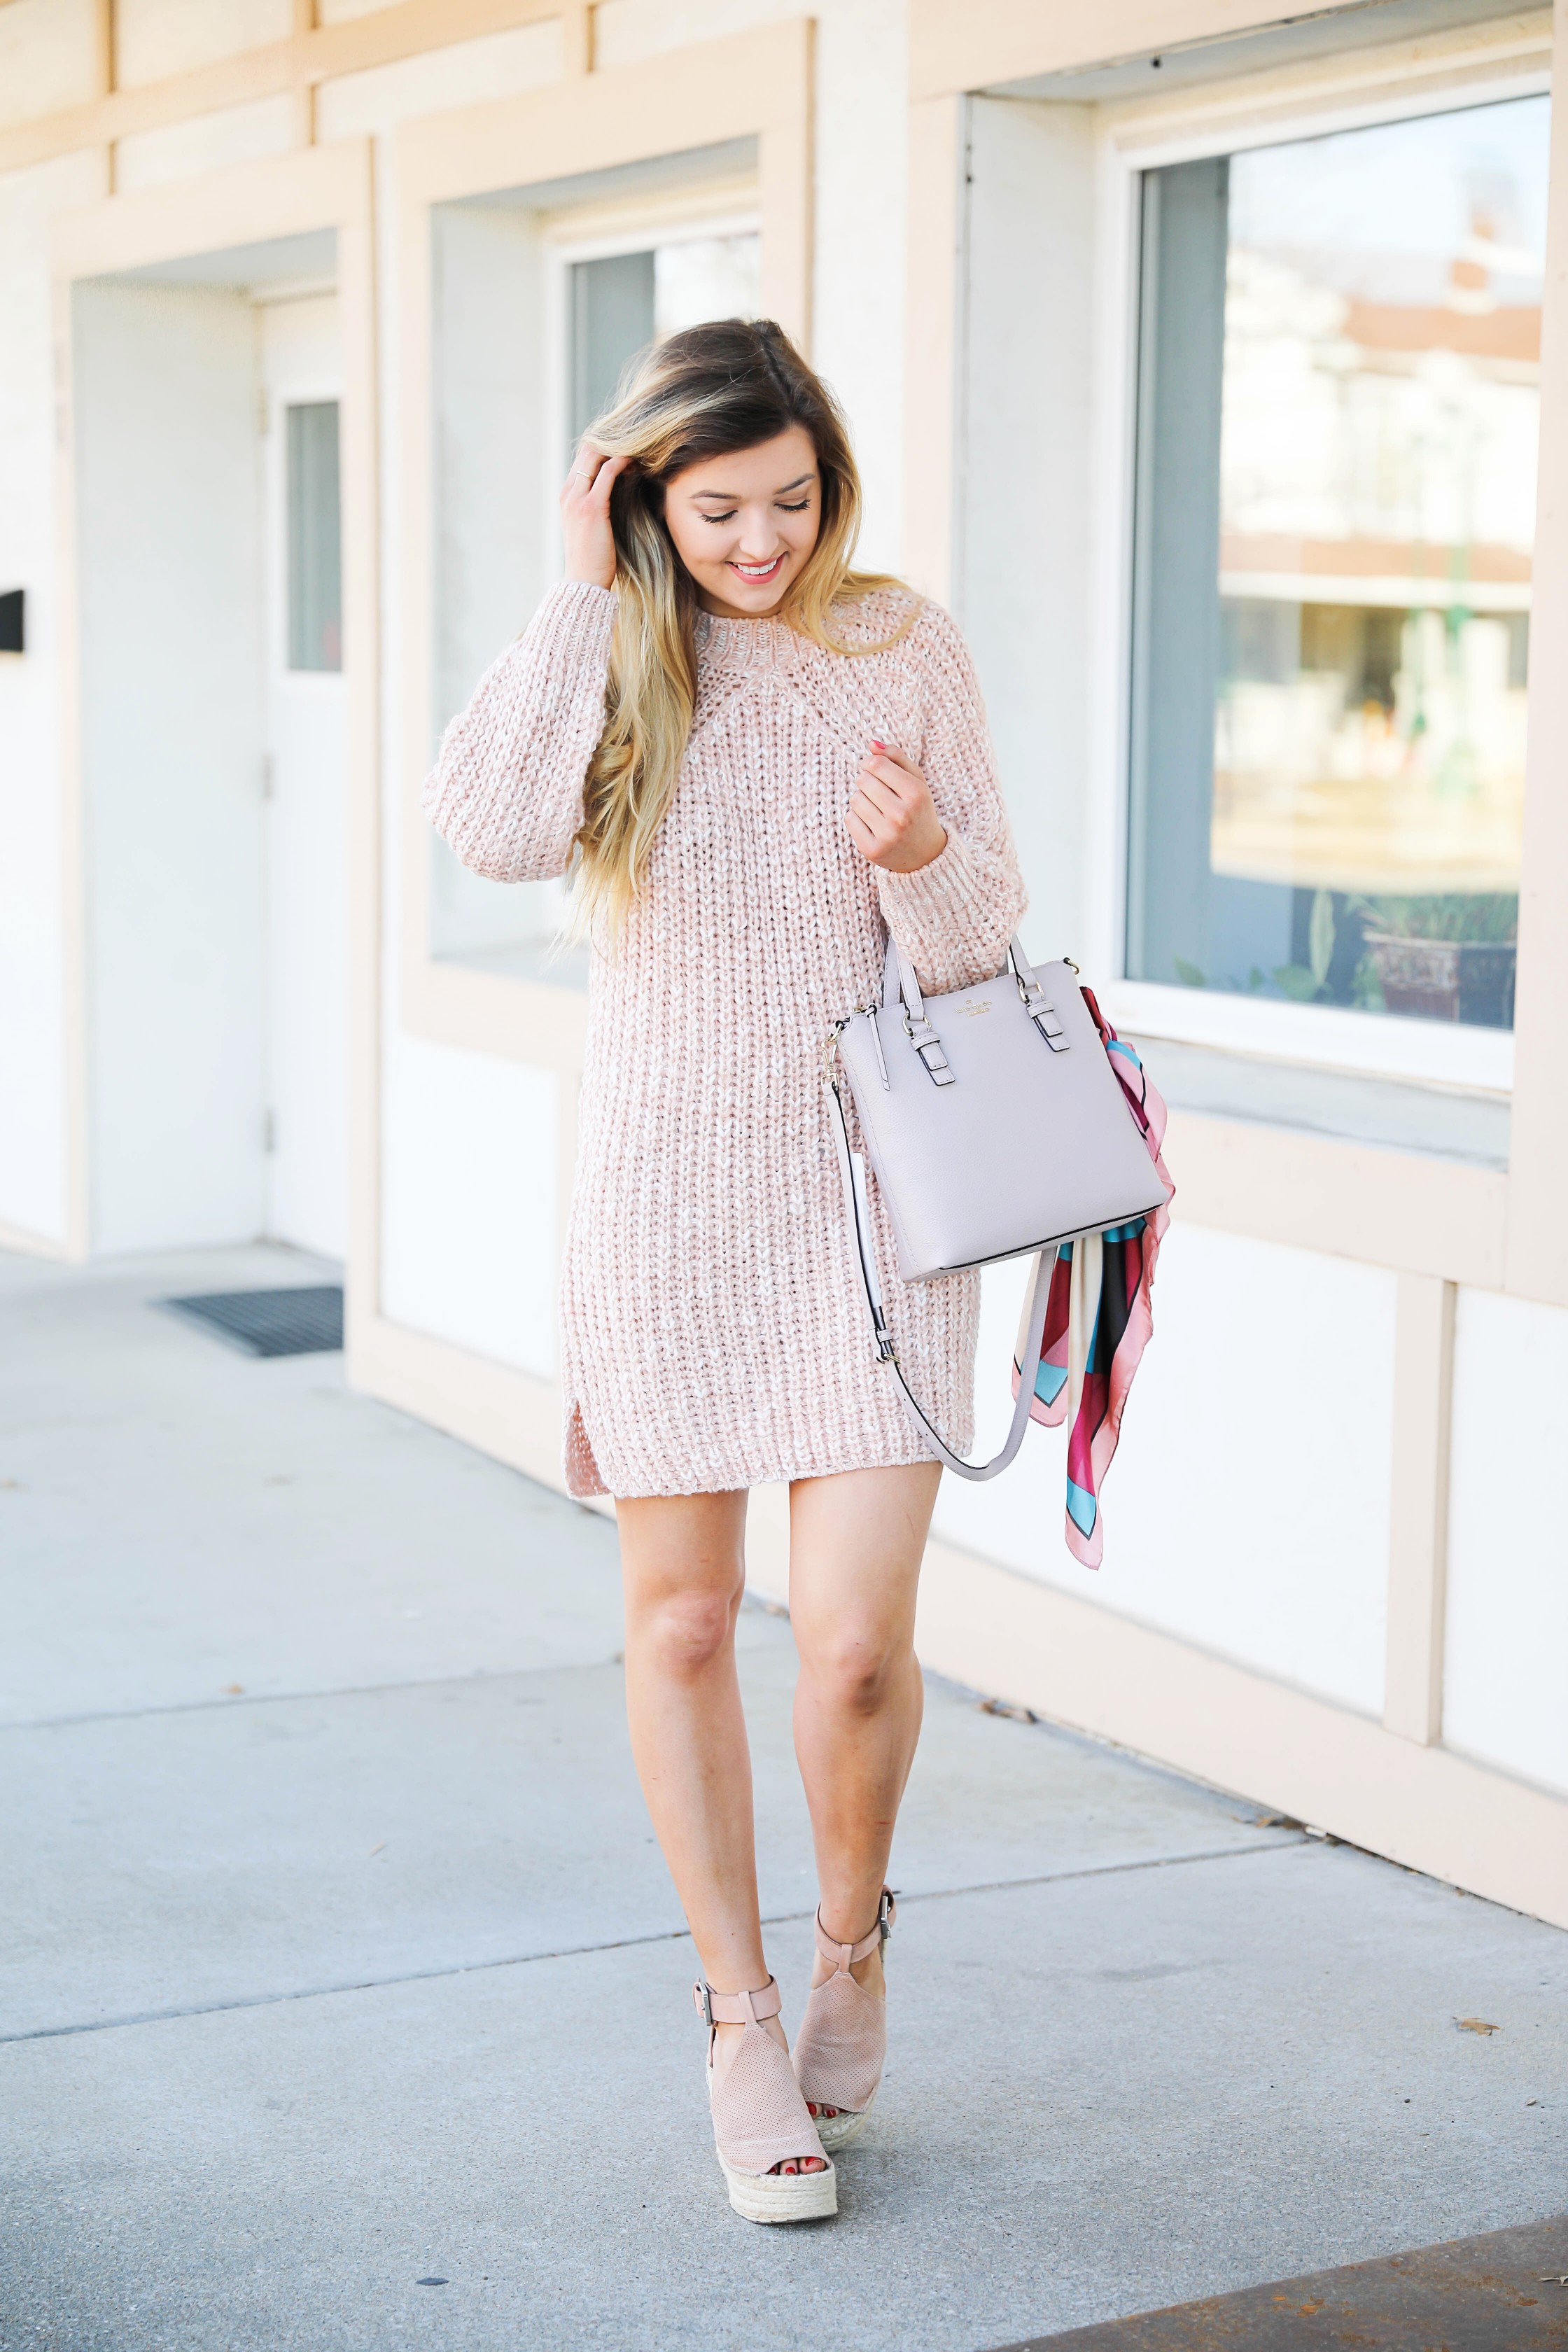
{"points": [[756, 762]]}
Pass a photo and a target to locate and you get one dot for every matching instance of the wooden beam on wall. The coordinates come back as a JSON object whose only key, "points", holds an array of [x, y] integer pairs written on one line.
{"points": [[931, 341], [1418, 1516], [293, 67]]}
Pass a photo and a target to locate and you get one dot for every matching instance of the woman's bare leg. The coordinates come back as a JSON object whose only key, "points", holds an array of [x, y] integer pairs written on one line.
{"points": [[683, 1567], [855, 1545]]}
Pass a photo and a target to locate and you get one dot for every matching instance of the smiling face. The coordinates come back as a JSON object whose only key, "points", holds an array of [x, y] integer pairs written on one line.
{"points": [[745, 525]]}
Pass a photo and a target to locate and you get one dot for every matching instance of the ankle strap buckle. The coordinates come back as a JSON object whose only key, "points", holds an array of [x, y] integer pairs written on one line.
{"points": [[846, 1957], [750, 2008]]}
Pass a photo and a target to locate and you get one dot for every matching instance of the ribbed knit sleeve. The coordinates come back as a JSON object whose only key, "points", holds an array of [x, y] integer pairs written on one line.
{"points": [[955, 918], [507, 789]]}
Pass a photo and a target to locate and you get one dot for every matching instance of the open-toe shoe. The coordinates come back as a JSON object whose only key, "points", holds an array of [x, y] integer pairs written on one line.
{"points": [[760, 2118]]}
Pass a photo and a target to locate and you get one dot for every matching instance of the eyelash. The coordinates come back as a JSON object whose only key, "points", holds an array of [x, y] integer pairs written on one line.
{"points": [[783, 507]]}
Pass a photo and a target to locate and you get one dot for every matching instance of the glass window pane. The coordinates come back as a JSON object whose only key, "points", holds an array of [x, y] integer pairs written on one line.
{"points": [[626, 300], [612, 317], [315, 562], [1338, 408]]}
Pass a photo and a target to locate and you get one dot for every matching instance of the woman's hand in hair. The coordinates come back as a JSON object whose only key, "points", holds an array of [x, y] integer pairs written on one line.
{"points": [[585, 531], [891, 817]]}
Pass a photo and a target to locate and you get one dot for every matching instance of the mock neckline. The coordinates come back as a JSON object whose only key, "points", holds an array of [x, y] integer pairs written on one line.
{"points": [[743, 645]]}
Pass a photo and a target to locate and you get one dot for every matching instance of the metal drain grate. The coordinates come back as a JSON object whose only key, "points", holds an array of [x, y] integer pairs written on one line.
{"points": [[296, 1322]]}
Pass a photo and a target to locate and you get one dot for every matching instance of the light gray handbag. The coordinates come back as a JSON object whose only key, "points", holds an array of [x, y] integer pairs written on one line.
{"points": [[995, 1127]]}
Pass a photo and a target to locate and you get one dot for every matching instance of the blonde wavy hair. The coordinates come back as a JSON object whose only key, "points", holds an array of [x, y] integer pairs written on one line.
{"points": [[704, 393]]}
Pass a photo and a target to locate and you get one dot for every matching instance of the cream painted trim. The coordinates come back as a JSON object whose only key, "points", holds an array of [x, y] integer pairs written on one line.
{"points": [[22, 1242], [1082, 1664], [1405, 1210], [1418, 1517], [965, 44], [933, 294], [322, 187], [755, 85], [1321, 1036], [504, 1413], [1537, 1264], [296, 66], [1506, 57], [748, 86]]}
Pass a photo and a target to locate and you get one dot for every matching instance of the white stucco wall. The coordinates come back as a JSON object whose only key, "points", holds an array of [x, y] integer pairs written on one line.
{"points": [[468, 1201], [33, 1177], [1247, 1509], [169, 509]]}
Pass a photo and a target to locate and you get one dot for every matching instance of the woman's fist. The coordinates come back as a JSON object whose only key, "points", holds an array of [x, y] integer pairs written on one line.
{"points": [[891, 817], [585, 532]]}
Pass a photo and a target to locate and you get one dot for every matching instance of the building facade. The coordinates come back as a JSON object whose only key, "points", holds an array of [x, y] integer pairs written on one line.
{"points": [[1212, 366]]}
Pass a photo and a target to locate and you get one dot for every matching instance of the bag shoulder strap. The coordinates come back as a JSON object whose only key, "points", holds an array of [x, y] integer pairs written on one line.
{"points": [[858, 1207]]}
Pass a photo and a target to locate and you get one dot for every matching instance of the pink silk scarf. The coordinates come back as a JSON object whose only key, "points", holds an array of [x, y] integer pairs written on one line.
{"points": [[1099, 1319]]}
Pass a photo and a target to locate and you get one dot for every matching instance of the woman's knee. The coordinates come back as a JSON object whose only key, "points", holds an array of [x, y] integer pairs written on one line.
{"points": [[857, 1673], [683, 1631]]}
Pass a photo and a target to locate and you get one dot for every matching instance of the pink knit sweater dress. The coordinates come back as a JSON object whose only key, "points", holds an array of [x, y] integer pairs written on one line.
{"points": [[714, 1335]]}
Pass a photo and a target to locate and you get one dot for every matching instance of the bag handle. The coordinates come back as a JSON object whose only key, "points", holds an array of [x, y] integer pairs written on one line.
{"points": [[899, 980], [852, 1169]]}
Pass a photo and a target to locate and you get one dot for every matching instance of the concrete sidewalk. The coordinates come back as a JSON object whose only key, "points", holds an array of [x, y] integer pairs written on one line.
{"points": [[338, 1956]]}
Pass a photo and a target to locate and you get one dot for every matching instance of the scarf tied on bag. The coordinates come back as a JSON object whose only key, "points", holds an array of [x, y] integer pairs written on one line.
{"points": [[1099, 1319]]}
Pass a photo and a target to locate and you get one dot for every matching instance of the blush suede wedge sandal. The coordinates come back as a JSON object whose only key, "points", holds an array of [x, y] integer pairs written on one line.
{"points": [[760, 2118], [843, 2037]]}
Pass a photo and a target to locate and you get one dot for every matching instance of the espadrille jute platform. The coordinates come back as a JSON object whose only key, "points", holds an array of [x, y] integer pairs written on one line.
{"points": [[843, 2038], [760, 2118]]}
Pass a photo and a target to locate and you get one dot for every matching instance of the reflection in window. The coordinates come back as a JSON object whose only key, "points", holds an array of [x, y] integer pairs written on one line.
{"points": [[1338, 408], [623, 300], [315, 559]]}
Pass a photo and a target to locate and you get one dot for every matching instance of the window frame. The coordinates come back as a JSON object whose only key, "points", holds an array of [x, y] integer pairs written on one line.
{"points": [[595, 233], [304, 390], [754, 86], [1134, 140]]}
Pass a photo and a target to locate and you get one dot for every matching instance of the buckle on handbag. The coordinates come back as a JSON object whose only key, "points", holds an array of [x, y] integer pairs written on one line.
{"points": [[929, 1047], [1043, 1013]]}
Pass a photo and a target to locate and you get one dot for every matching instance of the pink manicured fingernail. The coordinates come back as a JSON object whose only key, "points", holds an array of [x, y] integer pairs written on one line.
{"points": [[878, 744]]}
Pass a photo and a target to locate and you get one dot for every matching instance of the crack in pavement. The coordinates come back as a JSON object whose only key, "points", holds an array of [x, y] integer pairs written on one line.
{"points": [[229, 1702], [623, 1944]]}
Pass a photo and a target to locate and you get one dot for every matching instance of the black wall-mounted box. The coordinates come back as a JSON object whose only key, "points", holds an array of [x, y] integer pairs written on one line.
{"points": [[12, 632]]}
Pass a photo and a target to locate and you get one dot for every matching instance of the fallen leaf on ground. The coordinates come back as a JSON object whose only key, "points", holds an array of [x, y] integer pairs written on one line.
{"points": [[234, 1690], [1476, 2025], [377, 1849]]}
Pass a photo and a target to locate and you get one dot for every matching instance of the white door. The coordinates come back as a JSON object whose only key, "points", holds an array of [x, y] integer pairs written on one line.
{"points": [[307, 856]]}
